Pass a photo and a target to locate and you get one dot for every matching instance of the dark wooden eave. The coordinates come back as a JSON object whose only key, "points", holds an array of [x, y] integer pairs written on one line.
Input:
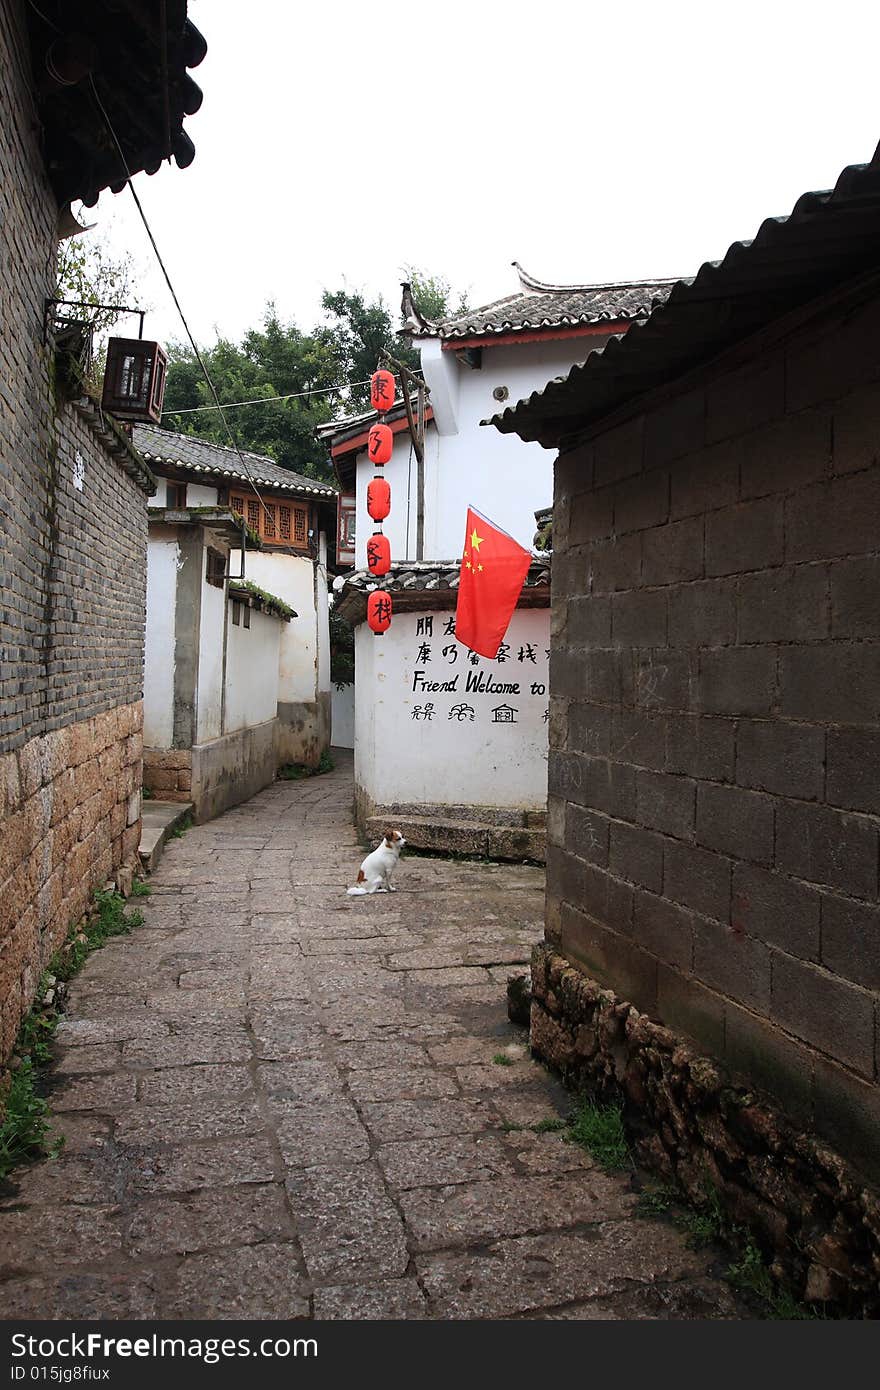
{"points": [[137, 55]]}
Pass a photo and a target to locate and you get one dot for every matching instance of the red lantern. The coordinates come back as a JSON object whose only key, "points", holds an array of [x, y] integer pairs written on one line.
{"points": [[379, 611], [382, 391], [378, 499], [379, 554], [380, 442]]}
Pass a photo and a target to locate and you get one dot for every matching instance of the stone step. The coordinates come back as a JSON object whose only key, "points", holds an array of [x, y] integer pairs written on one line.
{"points": [[158, 819], [482, 838]]}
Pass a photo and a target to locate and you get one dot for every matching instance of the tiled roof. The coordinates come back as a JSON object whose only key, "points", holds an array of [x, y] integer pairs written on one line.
{"points": [[829, 239], [426, 578], [542, 306], [204, 457], [356, 424]]}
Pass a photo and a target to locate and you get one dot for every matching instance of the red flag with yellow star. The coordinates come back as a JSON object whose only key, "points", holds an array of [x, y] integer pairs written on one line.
{"points": [[493, 569]]}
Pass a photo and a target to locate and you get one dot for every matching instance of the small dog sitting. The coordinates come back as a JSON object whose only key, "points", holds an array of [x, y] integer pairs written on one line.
{"points": [[374, 875]]}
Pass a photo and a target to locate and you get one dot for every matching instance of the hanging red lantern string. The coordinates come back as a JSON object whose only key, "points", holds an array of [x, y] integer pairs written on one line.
{"points": [[379, 554], [380, 442], [378, 498], [379, 611], [380, 445], [382, 391]]}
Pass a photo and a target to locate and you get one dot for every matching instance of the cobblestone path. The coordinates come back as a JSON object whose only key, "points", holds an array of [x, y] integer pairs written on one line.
{"points": [[279, 1101]]}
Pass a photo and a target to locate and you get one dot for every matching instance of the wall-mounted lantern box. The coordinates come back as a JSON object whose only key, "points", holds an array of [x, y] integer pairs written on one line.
{"points": [[134, 380]]}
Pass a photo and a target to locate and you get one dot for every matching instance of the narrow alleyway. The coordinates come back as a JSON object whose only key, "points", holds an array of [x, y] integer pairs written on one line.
{"points": [[279, 1101]]}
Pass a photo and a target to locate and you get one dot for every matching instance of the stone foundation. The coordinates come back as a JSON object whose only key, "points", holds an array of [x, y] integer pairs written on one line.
{"points": [[168, 773], [815, 1219], [69, 820], [232, 769], [488, 831]]}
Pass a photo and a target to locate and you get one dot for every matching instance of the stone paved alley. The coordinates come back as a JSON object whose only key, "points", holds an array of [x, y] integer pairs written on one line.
{"points": [[279, 1101]]}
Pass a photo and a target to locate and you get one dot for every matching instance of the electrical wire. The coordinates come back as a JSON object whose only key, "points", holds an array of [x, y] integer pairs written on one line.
{"points": [[45, 18], [272, 400], [173, 293]]}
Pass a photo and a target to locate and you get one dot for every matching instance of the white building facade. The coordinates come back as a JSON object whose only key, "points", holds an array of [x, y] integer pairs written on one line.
{"points": [[237, 657], [466, 777]]}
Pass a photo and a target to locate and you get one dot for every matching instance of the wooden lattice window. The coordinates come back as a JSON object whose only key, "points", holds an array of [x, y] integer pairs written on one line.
{"points": [[280, 523]]}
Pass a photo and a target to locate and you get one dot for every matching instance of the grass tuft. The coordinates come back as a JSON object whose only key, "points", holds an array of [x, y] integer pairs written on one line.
{"points": [[599, 1129], [25, 1126], [502, 1060], [181, 827], [24, 1122], [549, 1126], [295, 772]]}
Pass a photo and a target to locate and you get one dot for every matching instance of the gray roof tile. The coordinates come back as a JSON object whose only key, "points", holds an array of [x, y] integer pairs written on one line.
{"points": [[538, 306], [203, 456]]}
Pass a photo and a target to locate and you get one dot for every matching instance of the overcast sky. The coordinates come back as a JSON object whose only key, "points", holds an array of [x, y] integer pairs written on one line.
{"points": [[340, 141]]}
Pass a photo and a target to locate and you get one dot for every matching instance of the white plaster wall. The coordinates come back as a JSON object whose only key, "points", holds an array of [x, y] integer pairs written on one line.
{"points": [[342, 715], [466, 463], [291, 578], [405, 752], [251, 671], [197, 495], [210, 679], [322, 616], [162, 558]]}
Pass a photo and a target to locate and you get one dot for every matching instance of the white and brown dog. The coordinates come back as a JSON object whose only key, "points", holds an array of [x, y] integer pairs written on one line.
{"points": [[374, 875]]}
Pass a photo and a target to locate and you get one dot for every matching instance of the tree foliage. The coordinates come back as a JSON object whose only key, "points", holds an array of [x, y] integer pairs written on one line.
{"points": [[88, 271], [90, 274], [278, 359]]}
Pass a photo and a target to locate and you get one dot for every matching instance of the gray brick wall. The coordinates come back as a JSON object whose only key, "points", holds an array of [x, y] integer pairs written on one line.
{"points": [[72, 597], [715, 729], [72, 563]]}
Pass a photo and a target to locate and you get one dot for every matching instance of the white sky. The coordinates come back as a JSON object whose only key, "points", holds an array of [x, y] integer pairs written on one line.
{"points": [[339, 141]]}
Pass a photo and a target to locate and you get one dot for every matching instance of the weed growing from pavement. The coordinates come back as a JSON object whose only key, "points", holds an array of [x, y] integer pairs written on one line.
{"points": [[139, 889], [599, 1130], [704, 1222], [182, 826], [502, 1060], [294, 772], [24, 1125], [542, 1127]]}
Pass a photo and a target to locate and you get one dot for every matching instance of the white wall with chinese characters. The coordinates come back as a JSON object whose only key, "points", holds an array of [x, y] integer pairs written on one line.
{"points": [[438, 725]]}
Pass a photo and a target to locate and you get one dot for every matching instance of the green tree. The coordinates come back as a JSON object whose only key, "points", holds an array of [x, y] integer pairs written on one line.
{"points": [[275, 360], [88, 272], [278, 359]]}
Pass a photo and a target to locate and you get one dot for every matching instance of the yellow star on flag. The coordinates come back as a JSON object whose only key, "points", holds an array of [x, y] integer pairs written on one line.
{"points": [[476, 541], [480, 568]]}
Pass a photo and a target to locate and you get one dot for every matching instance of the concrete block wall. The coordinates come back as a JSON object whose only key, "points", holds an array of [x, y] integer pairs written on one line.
{"points": [[72, 586], [715, 718]]}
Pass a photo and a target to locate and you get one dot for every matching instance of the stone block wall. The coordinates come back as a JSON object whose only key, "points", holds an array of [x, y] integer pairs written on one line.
{"points": [[72, 588], [168, 773], [69, 819], [715, 718], [816, 1223]]}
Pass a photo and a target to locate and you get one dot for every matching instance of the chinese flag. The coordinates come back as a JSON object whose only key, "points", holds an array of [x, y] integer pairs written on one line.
{"points": [[493, 569]]}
